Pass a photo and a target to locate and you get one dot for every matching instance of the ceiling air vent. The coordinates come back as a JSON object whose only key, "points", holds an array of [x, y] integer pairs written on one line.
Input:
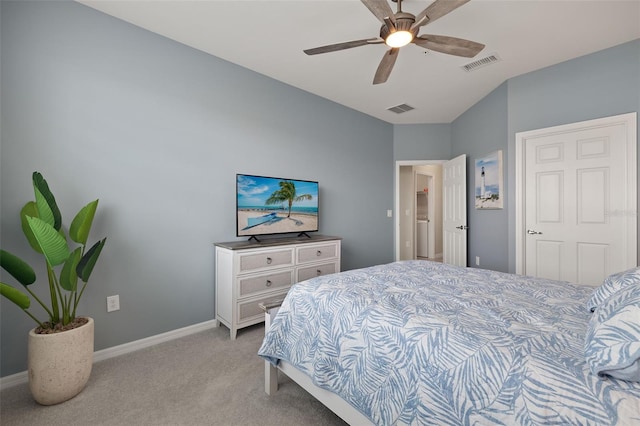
{"points": [[399, 109], [483, 62]]}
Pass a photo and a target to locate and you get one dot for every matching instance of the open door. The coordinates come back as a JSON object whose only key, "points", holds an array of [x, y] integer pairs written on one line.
{"points": [[454, 214]]}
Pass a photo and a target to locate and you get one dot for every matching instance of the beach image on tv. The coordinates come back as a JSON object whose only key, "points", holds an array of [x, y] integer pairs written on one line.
{"points": [[272, 205]]}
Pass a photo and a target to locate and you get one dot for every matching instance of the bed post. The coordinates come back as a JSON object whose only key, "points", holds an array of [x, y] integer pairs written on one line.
{"points": [[270, 372]]}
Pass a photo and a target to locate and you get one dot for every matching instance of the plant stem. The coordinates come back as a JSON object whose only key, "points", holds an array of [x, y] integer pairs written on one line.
{"points": [[54, 290], [39, 301], [65, 309], [75, 305], [34, 318]]}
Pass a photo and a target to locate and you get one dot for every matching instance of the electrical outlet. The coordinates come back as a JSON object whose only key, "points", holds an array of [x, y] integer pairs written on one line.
{"points": [[389, 213], [477, 260], [407, 244], [113, 303]]}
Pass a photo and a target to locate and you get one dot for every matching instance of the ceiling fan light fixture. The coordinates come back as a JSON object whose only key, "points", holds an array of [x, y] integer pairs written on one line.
{"points": [[401, 28], [399, 38]]}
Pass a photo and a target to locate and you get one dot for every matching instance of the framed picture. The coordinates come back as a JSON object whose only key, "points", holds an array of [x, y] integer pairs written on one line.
{"points": [[489, 193]]}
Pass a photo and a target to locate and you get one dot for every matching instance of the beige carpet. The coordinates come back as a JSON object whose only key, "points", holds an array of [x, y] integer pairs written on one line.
{"points": [[202, 379]]}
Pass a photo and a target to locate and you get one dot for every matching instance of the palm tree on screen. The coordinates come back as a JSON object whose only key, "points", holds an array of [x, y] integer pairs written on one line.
{"points": [[287, 192]]}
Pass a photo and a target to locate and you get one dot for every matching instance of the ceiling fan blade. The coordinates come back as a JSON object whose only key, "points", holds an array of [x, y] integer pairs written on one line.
{"points": [[449, 45], [342, 46], [386, 65], [380, 8], [436, 10]]}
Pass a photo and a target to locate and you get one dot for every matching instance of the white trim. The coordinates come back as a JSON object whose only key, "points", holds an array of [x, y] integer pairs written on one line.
{"points": [[13, 380], [125, 348], [630, 121], [519, 201]]}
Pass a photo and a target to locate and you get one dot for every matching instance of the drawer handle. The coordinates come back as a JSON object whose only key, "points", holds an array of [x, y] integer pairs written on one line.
{"points": [[319, 272], [319, 253], [269, 260], [268, 283]]}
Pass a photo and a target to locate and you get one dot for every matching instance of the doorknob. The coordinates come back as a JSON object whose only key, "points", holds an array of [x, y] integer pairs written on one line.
{"points": [[532, 232], [463, 227]]}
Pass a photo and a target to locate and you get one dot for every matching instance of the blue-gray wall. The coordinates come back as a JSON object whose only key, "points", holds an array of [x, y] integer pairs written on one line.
{"points": [[422, 142], [481, 130], [157, 131], [598, 85]]}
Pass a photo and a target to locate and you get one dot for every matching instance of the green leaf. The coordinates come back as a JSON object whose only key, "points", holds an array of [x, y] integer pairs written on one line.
{"points": [[18, 268], [45, 201], [68, 276], [29, 210], [54, 245], [15, 295], [88, 261], [81, 224]]}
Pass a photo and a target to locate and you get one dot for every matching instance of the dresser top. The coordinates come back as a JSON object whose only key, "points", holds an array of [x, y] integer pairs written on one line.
{"points": [[272, 242]]}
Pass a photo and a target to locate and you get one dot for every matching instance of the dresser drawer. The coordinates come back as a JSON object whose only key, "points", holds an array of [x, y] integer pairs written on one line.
{"points": [[316, 271], [317, 252], [250, 311], [271, 259], [265, 282]]}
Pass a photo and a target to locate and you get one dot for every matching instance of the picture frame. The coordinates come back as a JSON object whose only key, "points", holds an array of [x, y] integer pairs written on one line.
{"points": [[489, 193]]}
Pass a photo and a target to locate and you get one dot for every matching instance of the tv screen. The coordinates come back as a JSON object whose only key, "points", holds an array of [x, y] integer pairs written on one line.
{"points": [[271, 205]]}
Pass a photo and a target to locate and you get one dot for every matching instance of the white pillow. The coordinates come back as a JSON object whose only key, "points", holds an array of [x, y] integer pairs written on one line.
{"points": [[612, 284], [612, 344]]}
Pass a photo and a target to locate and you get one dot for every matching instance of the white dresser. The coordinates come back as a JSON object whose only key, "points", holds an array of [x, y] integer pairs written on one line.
{"points": [[248, 273]]}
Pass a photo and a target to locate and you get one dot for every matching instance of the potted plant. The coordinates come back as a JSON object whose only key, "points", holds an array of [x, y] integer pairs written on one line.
{"points": [[60, 349]]}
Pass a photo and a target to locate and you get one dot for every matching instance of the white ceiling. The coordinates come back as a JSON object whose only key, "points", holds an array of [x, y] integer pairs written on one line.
{"points": [[269, 37]]}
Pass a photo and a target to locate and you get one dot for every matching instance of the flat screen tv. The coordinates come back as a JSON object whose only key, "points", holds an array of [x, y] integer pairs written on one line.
{"points": [[272, 205]]}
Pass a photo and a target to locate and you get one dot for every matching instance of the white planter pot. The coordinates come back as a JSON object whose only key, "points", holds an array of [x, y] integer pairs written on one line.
{"points": [[60, 364]]}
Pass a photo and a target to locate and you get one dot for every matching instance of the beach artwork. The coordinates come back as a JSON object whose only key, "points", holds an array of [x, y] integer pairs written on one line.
{"points": [[488, 177], [268, 205]]}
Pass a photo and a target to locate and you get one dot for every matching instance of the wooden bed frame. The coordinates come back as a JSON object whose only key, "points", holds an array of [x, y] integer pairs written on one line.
{"points": [[339, 406]]}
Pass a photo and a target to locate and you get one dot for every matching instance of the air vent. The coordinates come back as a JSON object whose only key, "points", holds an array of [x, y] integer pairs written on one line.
{"points": [[483, 62], [399, 109]]}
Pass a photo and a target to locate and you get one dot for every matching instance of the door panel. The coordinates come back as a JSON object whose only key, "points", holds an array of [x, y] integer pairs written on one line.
{"points": [[592, 195], [549, 259], [592, 261], [454, 194], [549, 197]]}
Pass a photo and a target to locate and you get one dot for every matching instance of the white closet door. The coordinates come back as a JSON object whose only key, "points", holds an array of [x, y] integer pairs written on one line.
{"points": [[576, 205]]}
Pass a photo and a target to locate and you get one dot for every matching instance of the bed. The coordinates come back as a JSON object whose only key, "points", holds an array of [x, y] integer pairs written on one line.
{"points": [[420, 342]]}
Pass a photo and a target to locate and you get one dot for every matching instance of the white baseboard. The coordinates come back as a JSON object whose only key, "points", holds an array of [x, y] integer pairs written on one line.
{"points": [[13, 380], [101, 355]]}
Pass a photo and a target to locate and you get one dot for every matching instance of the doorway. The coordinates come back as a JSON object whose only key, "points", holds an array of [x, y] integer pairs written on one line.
{"points": [[419, 210]]}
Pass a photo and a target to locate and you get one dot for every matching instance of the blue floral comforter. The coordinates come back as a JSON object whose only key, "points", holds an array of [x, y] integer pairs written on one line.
{"points": [[419, 342]]}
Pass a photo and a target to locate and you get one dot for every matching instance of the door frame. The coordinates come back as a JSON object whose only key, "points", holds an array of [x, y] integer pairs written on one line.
{"points": [[630, 121], [396, 227]]}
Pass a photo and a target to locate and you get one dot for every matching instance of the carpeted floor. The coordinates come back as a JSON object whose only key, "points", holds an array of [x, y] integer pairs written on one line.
{"points": [[202, 379]]}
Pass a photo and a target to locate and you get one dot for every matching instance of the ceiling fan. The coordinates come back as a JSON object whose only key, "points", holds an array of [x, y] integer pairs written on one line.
{"points": [[401, 28]]}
